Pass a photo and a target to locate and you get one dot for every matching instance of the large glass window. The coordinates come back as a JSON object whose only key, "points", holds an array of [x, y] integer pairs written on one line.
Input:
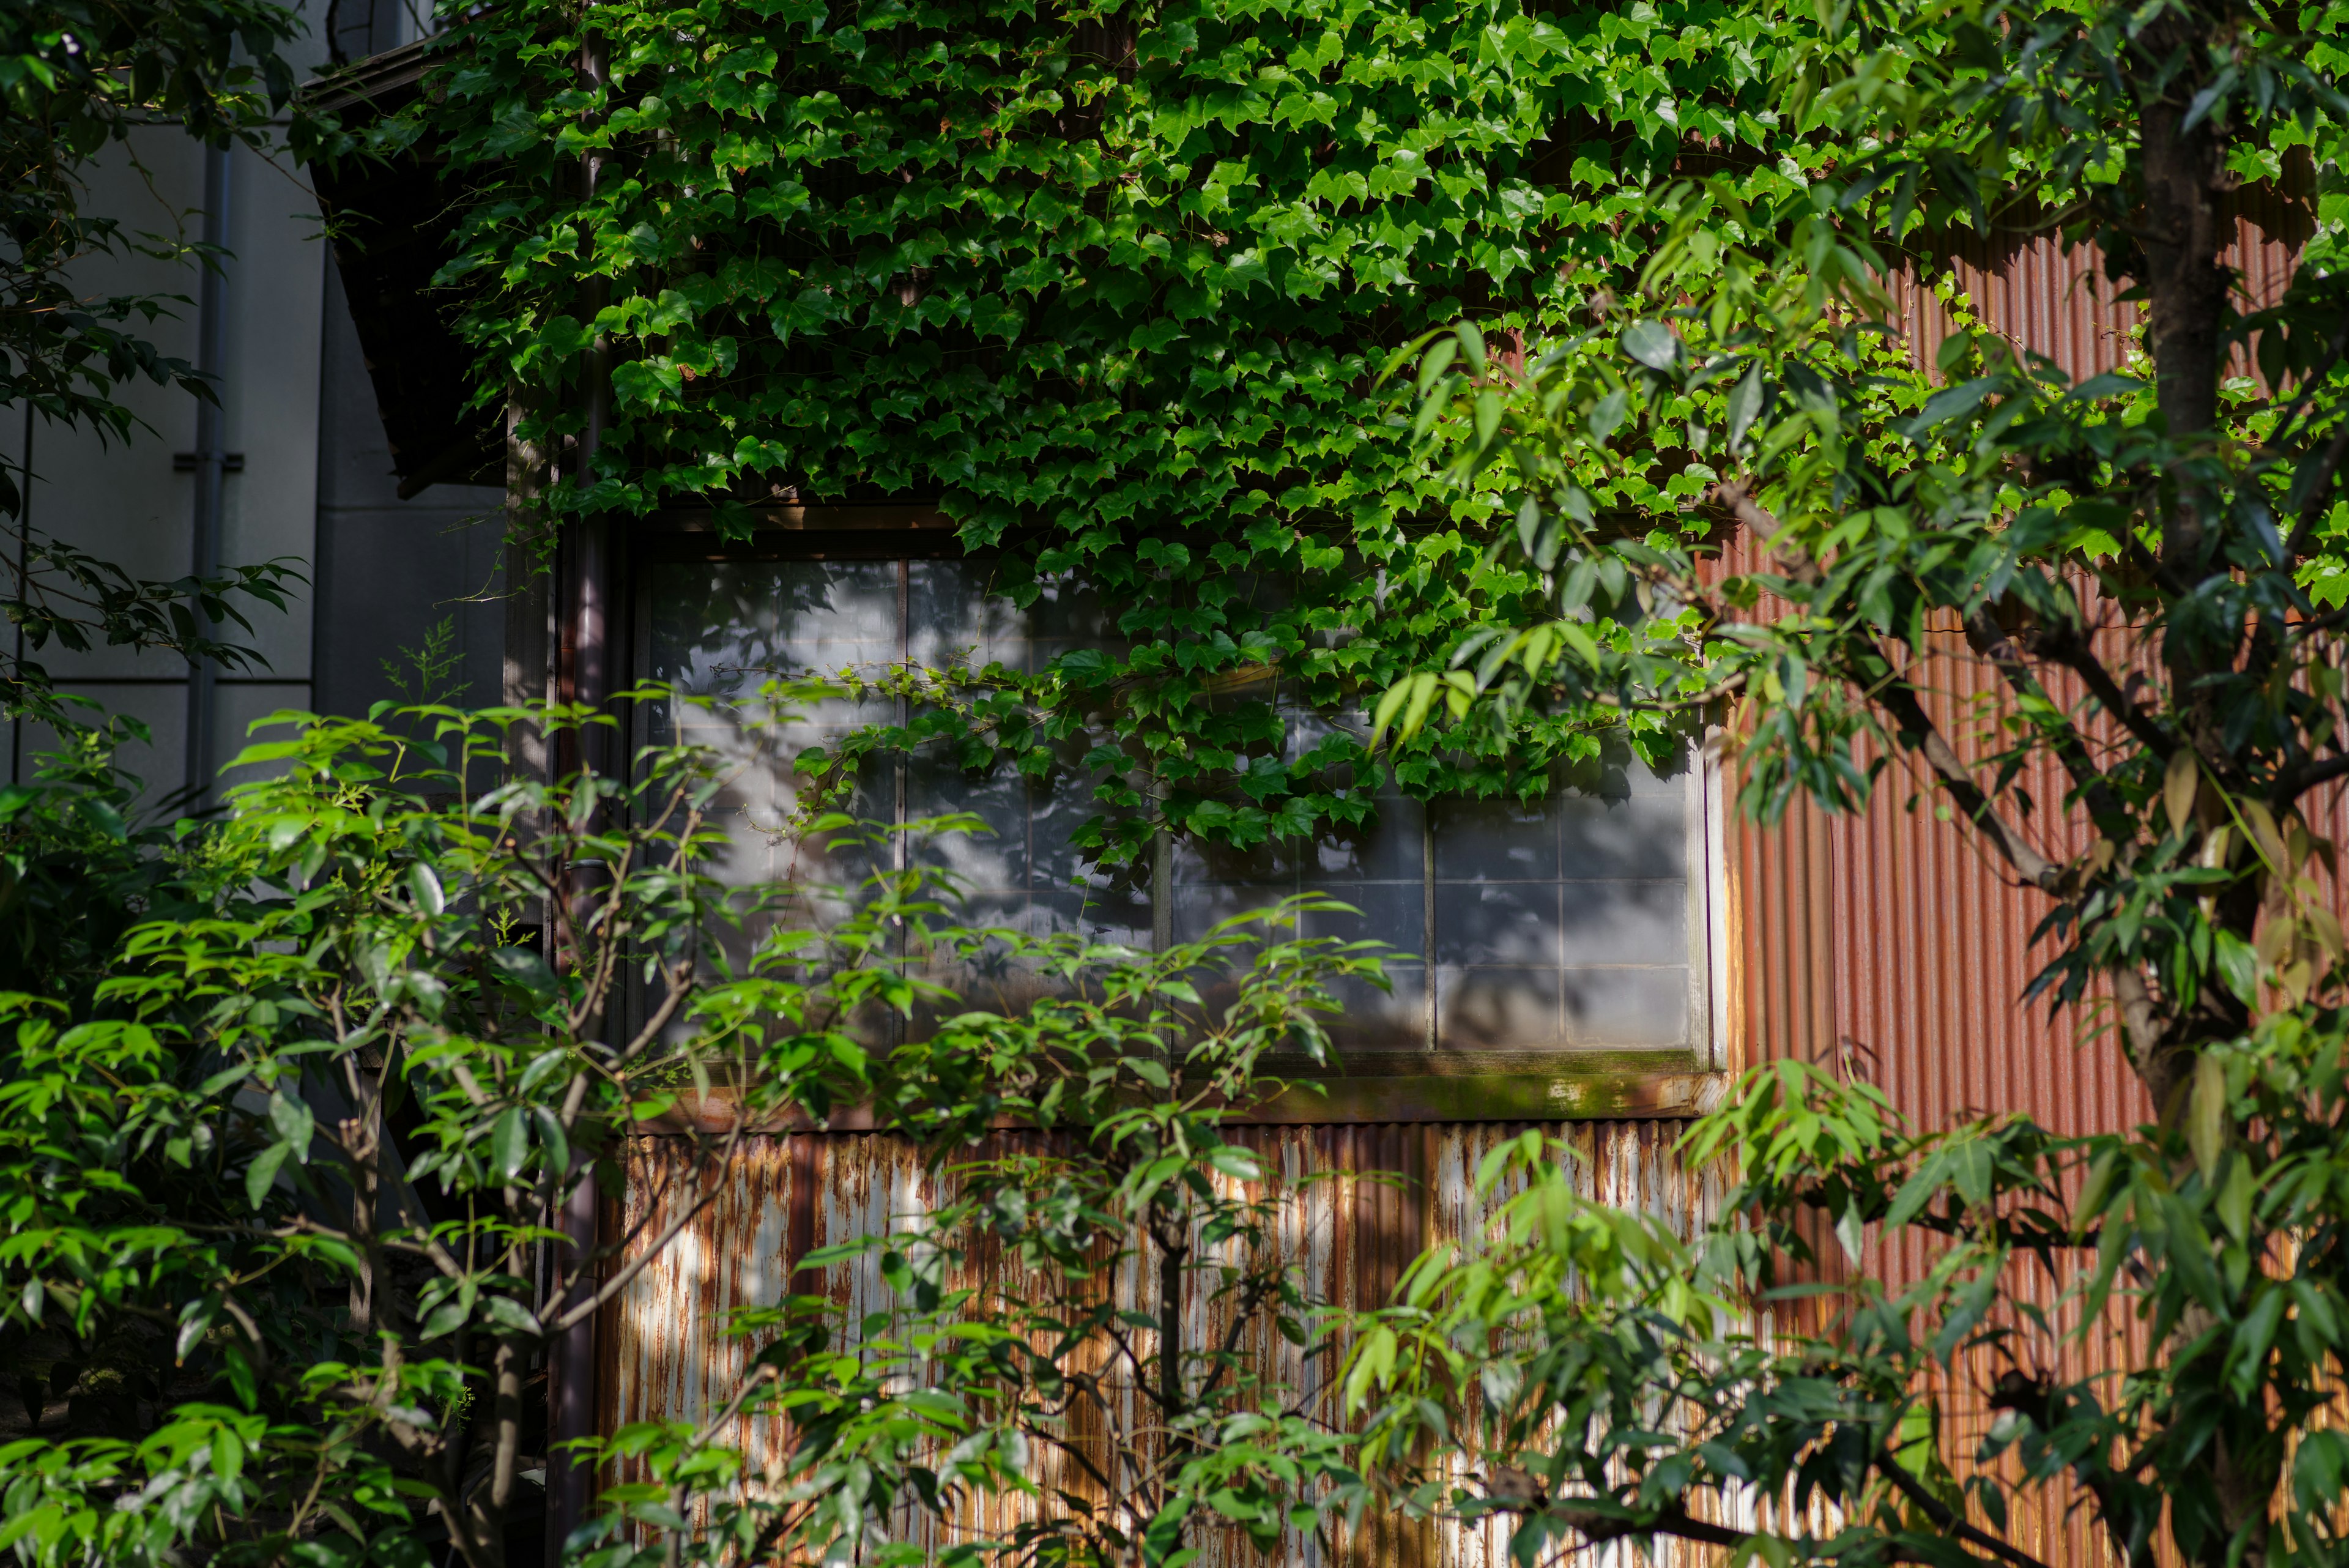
{"points": [[1577, 924]]}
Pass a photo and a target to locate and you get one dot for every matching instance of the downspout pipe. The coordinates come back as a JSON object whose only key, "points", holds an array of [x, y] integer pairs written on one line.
{"points": [[211, 457]]}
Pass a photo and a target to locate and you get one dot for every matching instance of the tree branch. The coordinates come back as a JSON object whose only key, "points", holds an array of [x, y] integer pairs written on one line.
{"points": [[2300, 781], [1898, 698], [2068, 648], [1598, 1528], [1734, 495], [1946, 1517], [1984, 635], [626, 1273]]}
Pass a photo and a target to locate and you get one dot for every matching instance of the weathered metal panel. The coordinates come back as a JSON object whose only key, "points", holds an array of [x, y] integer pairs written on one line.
{"points": [[2057, 302], [1356, 1204]]}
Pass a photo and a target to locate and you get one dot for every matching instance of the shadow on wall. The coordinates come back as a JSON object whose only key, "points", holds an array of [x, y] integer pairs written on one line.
{"points": [[387, 569]]}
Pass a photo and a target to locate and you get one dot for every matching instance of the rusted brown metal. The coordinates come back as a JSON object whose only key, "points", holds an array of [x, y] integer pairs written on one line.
{"points": [[2056, 301], [1892, 939], [1357, 1203]]}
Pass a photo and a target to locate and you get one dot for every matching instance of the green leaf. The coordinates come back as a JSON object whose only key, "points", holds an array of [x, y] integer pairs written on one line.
{"points": [[262, 1173], [427, 888], [295, 1123], [1607, 413], [1651, 343], [1951, 403], [1744, 405], [509, 1143], [2206, 1115], [2235, 1195], [511, 1314], [1235, 1163]]}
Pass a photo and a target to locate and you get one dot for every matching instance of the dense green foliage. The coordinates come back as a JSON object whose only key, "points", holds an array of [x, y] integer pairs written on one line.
{"points": [[1074, 1368], [1115, 286], [286, 1178], [1117, 289], [2149, 564]]}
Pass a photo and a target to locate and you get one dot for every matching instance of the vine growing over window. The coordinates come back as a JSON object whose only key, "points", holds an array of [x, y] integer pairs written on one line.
{"points": [[1116, 287]]}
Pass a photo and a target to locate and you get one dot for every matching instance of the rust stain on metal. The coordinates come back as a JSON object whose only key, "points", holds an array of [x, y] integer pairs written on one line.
{"points": [[2057, 302], [1354, 1205]]}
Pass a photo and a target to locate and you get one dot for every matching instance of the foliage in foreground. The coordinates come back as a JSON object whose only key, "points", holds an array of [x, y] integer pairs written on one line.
{"points": [[288, 1172], [2149, 565], [1084, 1359]]}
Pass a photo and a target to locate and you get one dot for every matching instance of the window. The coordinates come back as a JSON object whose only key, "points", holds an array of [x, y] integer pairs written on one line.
{"points": [[1583, 924]]}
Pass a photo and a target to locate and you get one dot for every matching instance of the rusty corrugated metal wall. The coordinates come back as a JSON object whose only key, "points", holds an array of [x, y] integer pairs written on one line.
{"points": [[1887, 942], [1351, 1232], [1895, 943], [1891, 938], [2058, 302]]}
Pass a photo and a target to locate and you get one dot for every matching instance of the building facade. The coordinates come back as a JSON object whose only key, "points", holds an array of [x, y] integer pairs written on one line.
{"points": [[310, 474]]}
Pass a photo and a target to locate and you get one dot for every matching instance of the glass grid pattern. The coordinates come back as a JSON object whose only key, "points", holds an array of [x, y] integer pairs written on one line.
{"points": [[1563, 926]]}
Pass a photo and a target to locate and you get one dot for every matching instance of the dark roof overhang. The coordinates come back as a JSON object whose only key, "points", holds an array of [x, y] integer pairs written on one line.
{"points": [[392, 222]]}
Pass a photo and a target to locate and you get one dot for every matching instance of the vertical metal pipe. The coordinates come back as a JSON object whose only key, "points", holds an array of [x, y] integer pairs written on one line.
{"points": [[1162, 890], [211, 455], [24, 562], [570, 1483], [1427, 922]]}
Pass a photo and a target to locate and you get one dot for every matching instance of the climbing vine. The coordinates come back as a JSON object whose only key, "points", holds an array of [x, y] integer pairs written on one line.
{"points": [[1116, 289]]}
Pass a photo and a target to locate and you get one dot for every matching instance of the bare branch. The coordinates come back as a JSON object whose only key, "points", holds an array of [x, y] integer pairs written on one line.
{"points": [[1898, 698], [2068, 648], [1987, 639], [627, 1273], [1946, 1517]]}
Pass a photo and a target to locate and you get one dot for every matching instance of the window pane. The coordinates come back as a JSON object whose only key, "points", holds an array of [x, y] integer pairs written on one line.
{"points": [[1566, 924], [722, 628], [1562, 926], [1377, 867]]}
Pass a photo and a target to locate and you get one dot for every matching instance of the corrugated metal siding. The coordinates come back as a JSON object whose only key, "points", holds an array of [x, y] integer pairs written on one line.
{"points": [[1350, 1231], [2058, 302]]}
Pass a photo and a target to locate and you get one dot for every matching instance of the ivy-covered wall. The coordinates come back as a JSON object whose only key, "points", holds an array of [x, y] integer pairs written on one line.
{"points": [[1117, 288]]}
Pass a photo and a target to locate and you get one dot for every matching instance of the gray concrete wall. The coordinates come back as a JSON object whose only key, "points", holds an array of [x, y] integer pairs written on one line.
{"points": [[388, 569], [316, 487]]}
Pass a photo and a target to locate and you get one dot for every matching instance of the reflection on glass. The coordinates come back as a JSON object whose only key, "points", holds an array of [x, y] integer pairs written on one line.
{"points": [[1564, 925], [721, 630]]}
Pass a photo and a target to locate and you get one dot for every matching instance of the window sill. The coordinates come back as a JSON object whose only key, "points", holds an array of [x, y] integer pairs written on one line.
{"points": [[1397, 1086], [1490, 1087]]}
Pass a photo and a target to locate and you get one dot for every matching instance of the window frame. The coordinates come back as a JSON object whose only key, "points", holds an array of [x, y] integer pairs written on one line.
{"points": [[1431, 1084]]}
